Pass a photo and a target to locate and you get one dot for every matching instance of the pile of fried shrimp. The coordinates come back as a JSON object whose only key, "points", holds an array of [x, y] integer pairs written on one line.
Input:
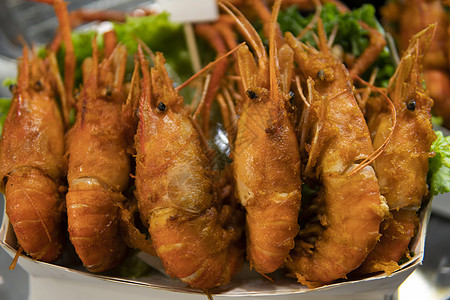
{"points": [[294, 116]]}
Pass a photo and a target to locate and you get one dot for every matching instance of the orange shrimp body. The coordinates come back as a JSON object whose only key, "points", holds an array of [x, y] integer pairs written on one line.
{"points": [[31, 161], [266, 158], [194, 235], [403, 165], [397, 230], [99, 165], [349, 206]]}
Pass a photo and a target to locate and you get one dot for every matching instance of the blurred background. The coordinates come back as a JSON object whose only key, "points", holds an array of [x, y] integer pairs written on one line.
{"points": [[36, 23]]}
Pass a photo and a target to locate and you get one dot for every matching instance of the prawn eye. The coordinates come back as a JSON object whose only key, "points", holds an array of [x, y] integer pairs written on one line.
{"points": [[251, 94], [161, 107], [411, 105], [38, 86], [291, 96], [12, 87], [321, 75], [108, 91]]}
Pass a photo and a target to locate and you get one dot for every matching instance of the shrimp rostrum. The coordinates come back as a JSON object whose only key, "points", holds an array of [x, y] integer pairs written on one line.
{"points": [[347, 212], [31, 159], [196, 237], [266, 159], [98, 163]]}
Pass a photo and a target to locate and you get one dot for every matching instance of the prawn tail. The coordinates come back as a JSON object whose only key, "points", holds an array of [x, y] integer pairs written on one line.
{"points": [[34, 208], [272, 237], [93, 218], [339, 249], [205, 260], [396, 233]]}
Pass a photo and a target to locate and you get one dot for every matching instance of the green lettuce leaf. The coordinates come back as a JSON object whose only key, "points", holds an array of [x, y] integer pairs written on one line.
{"points": [[350, 35], [132, 267], [156, 31], [9, 81], [439, 168], [82, 47], [159, 34], [5, 103]]}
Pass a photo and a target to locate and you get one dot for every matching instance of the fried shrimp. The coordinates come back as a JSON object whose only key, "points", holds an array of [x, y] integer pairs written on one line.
{"points": [[349, 207], [266, 159], [99, 165], [31, 159], [196, 236], [403, 165]]}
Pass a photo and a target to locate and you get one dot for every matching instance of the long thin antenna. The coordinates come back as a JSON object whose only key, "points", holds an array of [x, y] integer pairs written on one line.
{"points": [[206, 68]]}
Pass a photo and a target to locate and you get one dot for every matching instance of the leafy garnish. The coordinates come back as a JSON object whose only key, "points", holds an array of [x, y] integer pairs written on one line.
{"points": [[82, 45], [5, 103], [406, 257], [159, 34], [437, 120], [156, 31], [350, 35], [439, 168], [9, 81], [132, 267]]}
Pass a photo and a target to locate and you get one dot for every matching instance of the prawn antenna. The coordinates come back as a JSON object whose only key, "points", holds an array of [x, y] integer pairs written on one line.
{"points": [[380, 149], [146, 49], [323, 46], [206, 68], [13, 264], [273, 62]]}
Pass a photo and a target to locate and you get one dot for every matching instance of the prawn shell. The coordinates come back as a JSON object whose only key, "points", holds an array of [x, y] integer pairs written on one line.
{"points": [[403, 165], [99, 133], [352, 214], [92, 212], [397, 232], [174, 189], [35, 209], [33, 136], [99, 163], [177, 199], [32, 162], [267, 171], [195, 248]]}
